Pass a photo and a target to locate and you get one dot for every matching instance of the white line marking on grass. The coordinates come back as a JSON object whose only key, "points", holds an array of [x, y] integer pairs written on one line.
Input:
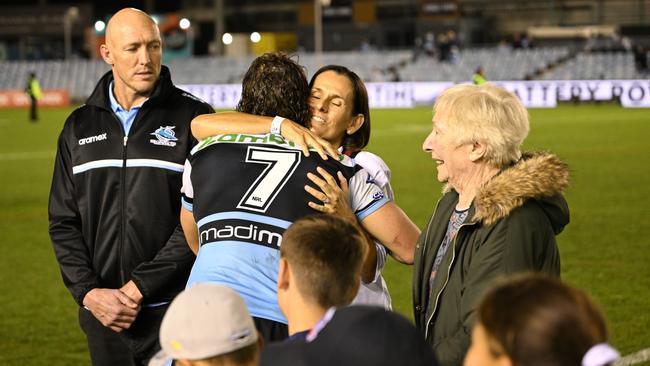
{"points": [[27, 155], [634, 358]]}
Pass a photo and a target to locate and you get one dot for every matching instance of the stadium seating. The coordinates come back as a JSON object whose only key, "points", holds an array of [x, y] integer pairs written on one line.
{"points": [[557, 63], [77, 76], [586, 66], [80, 76], [209, 70], [499, 64], [365, 64]]}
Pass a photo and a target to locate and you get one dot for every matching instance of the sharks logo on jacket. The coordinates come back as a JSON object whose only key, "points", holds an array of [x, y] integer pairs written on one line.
{"points": [[164, 136]]}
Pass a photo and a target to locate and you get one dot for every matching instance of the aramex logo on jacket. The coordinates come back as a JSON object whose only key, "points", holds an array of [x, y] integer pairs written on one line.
{"points": [[91, 139]]}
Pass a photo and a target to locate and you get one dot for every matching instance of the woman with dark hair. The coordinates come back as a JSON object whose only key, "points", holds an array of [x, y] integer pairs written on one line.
{"points": [[533, 320], [348, 126], [340, 119]]}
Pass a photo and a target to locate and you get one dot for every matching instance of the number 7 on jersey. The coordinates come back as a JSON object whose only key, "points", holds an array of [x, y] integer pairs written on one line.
{"points": [[280, 165]]}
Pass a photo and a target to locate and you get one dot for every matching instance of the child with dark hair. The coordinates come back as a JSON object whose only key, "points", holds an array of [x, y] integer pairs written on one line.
{"points": [[534, 320], [320, 268]]}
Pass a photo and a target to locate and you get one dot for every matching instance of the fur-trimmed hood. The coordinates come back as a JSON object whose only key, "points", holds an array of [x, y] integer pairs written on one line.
{"points": [[537, 175]]}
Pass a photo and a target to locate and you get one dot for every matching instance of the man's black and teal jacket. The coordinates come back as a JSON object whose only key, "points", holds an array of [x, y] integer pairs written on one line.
{"points": [[115, 199]]}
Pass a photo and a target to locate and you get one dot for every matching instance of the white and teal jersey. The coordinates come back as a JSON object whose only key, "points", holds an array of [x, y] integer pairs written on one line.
{"points": [[376, 292], [244, 191]]}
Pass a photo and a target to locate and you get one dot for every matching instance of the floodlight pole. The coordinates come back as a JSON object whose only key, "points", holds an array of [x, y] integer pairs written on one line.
{"points": [[67, 38], [318, 31], [219, 19], [70, 15]]}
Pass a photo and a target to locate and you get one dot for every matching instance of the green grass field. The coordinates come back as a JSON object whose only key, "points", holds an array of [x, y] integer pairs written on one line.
{"points": [[605, 249]]}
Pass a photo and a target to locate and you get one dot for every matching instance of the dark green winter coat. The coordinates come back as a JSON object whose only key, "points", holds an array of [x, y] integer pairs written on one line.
{"points": [[511, 227]]}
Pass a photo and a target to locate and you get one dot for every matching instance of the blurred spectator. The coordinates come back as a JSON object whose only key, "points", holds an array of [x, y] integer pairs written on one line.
{"points": [[641, 59], [33, 89], [526, 42], [479, 76], [444, 48], [626, 43], [429, 44], [377, 75], [521, 41], [320, 268], [355, 335], [418, 48], [206, 325], [393, 74], [516, 42], [503, 46], [454, 47], [448, 47], [590, 43], [367, 45], [536, 320]]}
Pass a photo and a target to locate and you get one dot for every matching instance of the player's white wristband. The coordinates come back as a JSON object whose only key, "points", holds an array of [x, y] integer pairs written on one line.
{"points": [[276, 124]]}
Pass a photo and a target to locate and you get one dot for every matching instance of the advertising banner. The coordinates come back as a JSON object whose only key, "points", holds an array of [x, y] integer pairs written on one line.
{"points": [[20, 99], [534, 93]]}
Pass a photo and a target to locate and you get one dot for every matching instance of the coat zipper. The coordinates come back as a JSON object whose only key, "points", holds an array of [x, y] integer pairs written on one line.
{"points": [[424, 244], [123, 194], [122, 198], [453, 258], [123, 276], [123, 211]]}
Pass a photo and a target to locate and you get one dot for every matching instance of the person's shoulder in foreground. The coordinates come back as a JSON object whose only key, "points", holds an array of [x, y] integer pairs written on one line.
{"points": [[533, 319], [356, 335]]}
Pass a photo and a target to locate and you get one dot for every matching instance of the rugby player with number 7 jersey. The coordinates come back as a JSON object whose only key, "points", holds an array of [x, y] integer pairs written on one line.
{"points": [[340, 117], [241, 191]]}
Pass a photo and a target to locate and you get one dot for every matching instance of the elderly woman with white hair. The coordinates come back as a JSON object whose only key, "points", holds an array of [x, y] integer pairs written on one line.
{"points": [[499, 213]]}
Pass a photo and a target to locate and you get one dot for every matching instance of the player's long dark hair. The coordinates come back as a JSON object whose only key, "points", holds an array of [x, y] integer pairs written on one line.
{"points": [[275, 85], [358, 140]]}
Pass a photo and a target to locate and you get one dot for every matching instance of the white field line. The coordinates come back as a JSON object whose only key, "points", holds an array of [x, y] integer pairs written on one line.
{"points": [[28, 155], [634, 358]]}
